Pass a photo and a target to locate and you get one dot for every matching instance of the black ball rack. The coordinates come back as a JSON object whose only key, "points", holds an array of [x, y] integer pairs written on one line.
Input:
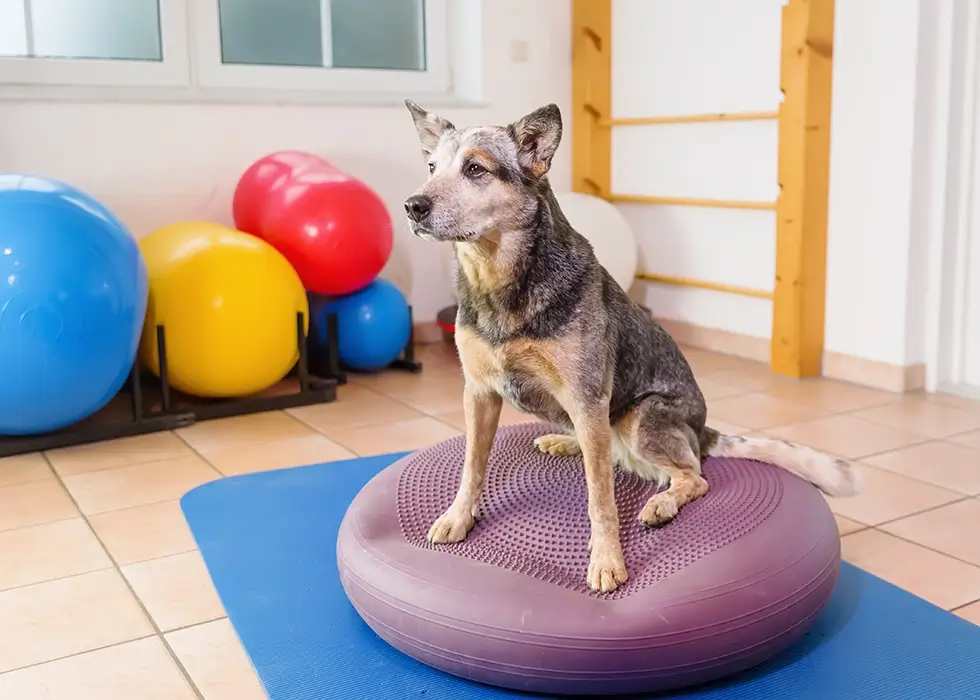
{"points": [[149, 404]]}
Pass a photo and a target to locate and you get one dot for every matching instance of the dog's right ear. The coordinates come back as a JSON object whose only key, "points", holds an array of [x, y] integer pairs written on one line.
{"points": [[430, 127]]}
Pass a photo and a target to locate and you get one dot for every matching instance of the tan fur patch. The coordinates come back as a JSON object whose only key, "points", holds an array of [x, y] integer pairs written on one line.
{"points": [[549, 361], [483, 157], [477, 261]]}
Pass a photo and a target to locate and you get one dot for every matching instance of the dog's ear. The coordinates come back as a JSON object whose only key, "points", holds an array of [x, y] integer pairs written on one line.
{"points": [[430, 127], [537, 136]]}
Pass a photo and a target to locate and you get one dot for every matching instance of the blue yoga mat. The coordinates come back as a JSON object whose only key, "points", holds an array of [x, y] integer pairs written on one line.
{"points": [[269, 542]]}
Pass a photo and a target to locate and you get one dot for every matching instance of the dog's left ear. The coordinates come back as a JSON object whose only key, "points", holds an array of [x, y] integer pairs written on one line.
{"points": [[430, 127], [537, 136]]}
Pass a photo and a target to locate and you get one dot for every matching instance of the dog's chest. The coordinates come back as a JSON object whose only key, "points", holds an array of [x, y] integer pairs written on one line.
{"points": [[524, 376]]}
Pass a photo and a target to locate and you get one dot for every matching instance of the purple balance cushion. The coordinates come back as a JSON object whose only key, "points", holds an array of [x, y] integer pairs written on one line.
{"points": [[736, 578]]}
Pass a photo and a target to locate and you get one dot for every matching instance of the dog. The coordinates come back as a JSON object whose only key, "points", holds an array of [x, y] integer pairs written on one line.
{"points": [[542, 325]]}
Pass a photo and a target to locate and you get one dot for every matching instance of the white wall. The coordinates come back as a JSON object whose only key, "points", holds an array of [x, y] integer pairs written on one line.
{"points": [[681, 57], [157, 163], [870, 266], [675, 57]]}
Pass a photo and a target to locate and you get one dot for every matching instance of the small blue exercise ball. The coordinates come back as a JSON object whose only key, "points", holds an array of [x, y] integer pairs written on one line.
{"points": [[373, 325], [73, 295]]}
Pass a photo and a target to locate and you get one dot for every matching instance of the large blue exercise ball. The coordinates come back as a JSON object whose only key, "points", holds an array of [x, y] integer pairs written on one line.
{"points": [[73, 294], [373, 325]]}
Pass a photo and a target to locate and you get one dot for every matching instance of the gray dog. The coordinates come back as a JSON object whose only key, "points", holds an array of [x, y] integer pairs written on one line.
{"points": [[543, 325]]}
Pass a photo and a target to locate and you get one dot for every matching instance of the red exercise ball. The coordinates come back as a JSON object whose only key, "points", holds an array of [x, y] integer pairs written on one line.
{"points": [[333, 228], [263, 176]]}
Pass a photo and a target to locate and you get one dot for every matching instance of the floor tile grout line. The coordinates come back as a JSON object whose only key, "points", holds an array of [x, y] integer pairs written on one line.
{"points": [[224, 475], [127, 465], [320, 432], [906, 447], [132, 591], [79, 653], [909, 515], [896, 398], [4, 531], [408, 405], [12, 484], [22, 586], [878, 528], [931, 549], [965, 605], [142, 505], [913, 478], [193, 449], [958, 435], [197, 624], [162, 556], [895, 427]]}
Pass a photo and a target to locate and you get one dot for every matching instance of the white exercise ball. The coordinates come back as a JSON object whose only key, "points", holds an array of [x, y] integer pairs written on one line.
{"points": [[607, 230]]}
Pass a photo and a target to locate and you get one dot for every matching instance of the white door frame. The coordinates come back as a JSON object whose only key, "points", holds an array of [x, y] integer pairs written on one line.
{"points": [[947, 201]]}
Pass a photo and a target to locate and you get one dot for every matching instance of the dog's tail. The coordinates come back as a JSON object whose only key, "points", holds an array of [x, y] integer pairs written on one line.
{"points": [[835, 477]]}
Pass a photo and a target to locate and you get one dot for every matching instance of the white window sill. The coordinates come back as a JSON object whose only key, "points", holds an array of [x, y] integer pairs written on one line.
{"points": [[184, 95]]}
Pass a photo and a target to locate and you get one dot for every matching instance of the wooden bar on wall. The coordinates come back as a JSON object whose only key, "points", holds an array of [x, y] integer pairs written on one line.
{"points": [[692, 119], [801, 210], [591, 96]]}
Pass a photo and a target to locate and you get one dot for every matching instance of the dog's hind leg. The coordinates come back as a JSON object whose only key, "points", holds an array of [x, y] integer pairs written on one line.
{"points": [[663, 443]]}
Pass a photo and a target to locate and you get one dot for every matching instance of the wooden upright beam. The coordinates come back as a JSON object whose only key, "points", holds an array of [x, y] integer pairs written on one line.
{"points": [[801, 210], [591, 96]]}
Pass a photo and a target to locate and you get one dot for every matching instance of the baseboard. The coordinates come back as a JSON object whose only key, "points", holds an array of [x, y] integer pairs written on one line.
{"points": [[845, 368], [717, 340], [874, 374], [426, 333]]}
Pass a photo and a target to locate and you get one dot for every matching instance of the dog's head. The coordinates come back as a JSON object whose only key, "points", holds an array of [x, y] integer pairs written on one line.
{"points": [[482, 180]]}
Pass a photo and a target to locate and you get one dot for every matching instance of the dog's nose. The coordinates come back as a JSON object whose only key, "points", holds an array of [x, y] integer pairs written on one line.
{"points": [[417, 207]]}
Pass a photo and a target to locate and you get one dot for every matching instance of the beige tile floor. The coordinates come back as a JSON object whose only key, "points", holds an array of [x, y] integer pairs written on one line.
{"points": [[103, 595]]}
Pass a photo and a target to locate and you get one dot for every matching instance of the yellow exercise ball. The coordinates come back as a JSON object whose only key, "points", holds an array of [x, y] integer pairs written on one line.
{"points": [[228, 303]]}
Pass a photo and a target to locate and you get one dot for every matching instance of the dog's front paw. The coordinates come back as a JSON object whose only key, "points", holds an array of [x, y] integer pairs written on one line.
{"points": [[558, 445], [607, 568], [659, 510], [452, 526]]}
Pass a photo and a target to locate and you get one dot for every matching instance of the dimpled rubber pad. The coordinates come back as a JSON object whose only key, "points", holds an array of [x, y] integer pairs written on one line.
{"points": [[534, 514]]}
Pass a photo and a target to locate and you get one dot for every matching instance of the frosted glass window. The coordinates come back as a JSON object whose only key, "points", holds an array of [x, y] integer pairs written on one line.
{"points": [[271, 32], [87, 29], [13, 31], [382, 34], [386, 34]]}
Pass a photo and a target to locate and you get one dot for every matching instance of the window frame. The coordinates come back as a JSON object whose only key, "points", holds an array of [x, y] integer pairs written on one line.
{"points": [[212, 73], [172, 71], [191, 67]]}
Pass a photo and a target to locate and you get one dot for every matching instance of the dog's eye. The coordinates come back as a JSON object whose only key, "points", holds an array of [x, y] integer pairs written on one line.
{"points": [[432, 168], [475, 170]]}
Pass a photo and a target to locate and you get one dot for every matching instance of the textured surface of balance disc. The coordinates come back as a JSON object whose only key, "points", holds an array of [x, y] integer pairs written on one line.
{"points": [[738, 577]]}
